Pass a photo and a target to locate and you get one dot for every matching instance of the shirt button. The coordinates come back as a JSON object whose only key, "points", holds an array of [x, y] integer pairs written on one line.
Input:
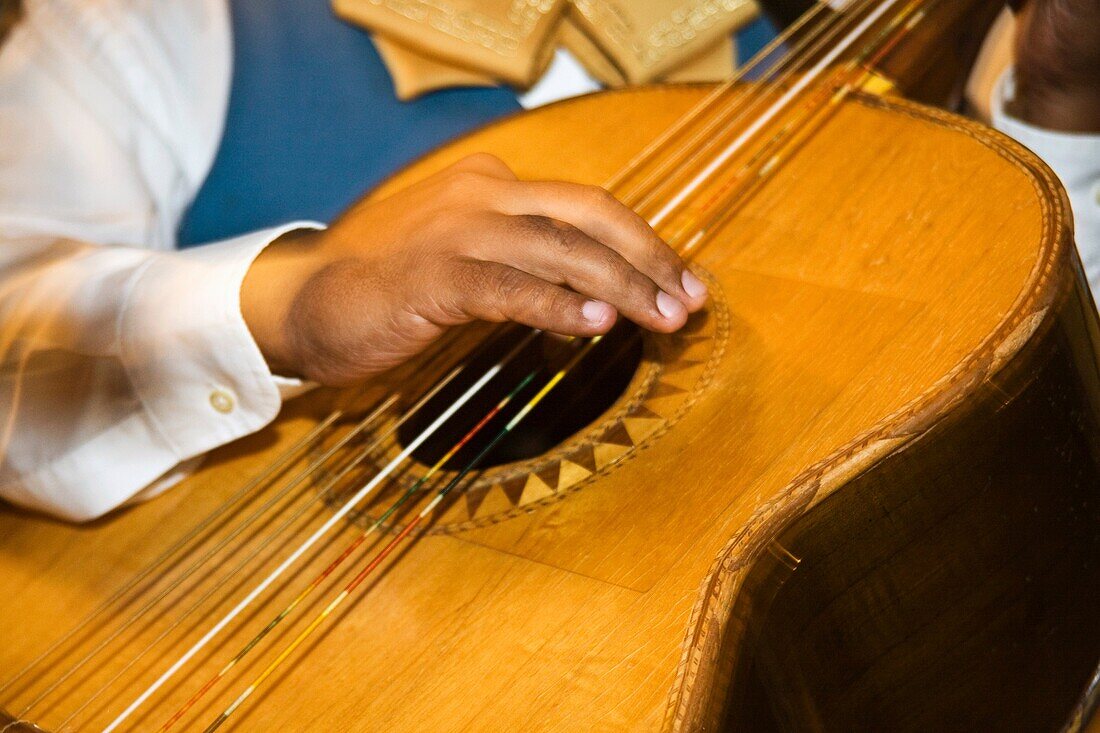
{"points": [[222, 401]]}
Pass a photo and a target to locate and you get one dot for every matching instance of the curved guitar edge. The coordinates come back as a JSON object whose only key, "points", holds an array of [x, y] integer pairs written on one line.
{"points": [[975, 609]]}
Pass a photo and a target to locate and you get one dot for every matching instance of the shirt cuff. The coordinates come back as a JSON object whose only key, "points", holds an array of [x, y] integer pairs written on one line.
{"points": [[291, 387], [191, 359]]}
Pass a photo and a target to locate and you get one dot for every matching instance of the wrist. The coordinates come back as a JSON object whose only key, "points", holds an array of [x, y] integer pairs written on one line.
{"points": [[268, 292]]}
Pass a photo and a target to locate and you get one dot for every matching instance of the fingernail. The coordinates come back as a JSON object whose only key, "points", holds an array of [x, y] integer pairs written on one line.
{"points": [[597, 312], [670, 307], [693, 285]]}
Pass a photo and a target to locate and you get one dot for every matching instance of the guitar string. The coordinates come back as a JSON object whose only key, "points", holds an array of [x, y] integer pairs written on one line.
{"points": [[700, 108], [472, 465], [130, 620], [766, 51], [707, 104], [310, 511], [332, 521], [351, 548], [280, 461], [758, 123], [863, 65], [252, 643], [408, 528], [207, 523], [314, 504], [803, 123], [783, 70], [320, 495], [630, 341], [707, 138], [376, 412], [311, 503]]}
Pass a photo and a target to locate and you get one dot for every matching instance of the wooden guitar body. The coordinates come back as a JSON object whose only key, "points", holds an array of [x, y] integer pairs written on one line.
{"points": [[859, 492]]}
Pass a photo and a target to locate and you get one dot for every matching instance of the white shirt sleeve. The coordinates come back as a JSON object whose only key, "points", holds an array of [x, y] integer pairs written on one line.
{"points": [[1075, 159], [121, 359]]}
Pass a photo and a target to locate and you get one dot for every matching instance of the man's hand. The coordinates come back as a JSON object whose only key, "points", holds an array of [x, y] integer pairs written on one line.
{"points": [[471, 242], [1058, 64]]}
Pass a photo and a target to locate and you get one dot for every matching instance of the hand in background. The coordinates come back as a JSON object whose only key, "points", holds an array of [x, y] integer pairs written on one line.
{"points": [[471, 242], [1058, 64]]}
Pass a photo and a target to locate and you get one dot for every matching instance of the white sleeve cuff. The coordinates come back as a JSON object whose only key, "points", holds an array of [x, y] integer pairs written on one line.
{"points": [[291, 387], [189, 354]]}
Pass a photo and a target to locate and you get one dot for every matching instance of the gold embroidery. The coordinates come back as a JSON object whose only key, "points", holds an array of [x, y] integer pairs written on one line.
{"points": [[681, 27], [470, 26]]}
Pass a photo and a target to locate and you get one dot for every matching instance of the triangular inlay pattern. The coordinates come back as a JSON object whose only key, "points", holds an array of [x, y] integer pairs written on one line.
{"points": [[535, 489], [663, 389], [680, 365], [643, 413], [641, 428], [549, 475], [571, 473], [617, 435], [513, 489], [584, 457], [608, 453], [474, 497]]}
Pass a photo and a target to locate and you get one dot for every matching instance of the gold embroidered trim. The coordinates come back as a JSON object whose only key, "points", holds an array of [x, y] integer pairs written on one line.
{"points": [[470, 26]]}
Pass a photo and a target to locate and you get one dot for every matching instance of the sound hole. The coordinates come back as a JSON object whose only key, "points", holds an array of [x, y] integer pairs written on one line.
{"points": [[588, 391]]}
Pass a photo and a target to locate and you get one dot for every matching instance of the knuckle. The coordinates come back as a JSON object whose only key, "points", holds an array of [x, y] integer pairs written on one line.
{"points": [[642, 297], [668, 264], [662, 260], [470, 278], [514, 294], [610, 268], [550, 303], [485, 162], [463, 180], [483, 159], [614, 269], [508, 285], [485, 290], [547, 232], [537, 223], [480, 157], [568, 240], [601, 197]]}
